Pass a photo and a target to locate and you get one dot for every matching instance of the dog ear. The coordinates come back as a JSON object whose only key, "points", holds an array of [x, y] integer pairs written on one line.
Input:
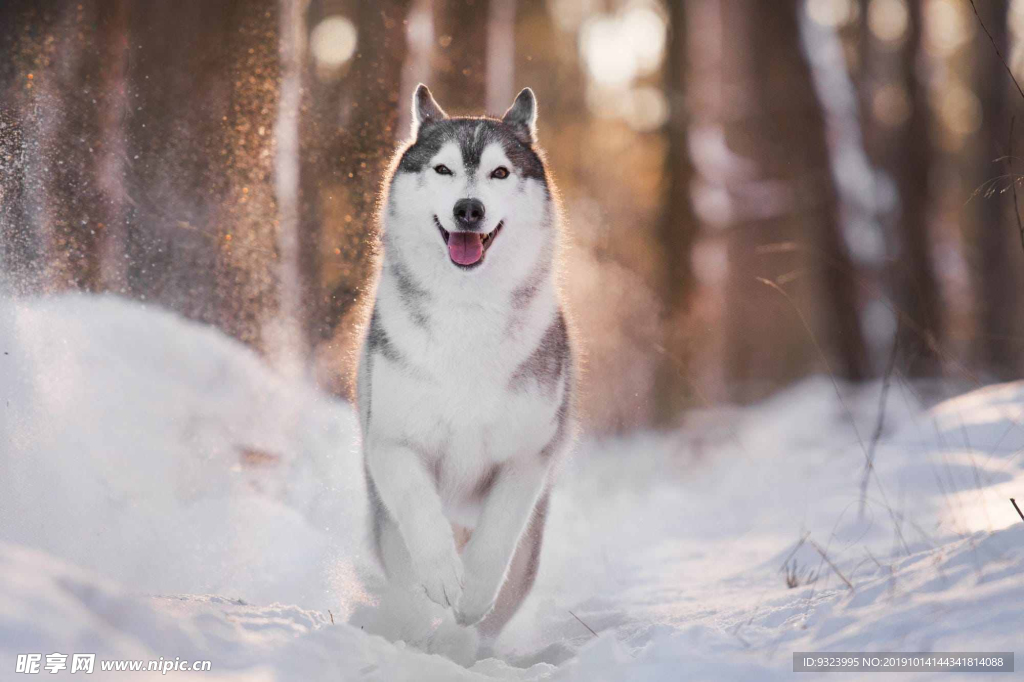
{"points": [[424, 108], [522, 116]]}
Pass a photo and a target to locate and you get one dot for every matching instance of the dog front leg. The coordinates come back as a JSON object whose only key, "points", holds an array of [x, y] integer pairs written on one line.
{"points": [[502, 522], [408, 493]]}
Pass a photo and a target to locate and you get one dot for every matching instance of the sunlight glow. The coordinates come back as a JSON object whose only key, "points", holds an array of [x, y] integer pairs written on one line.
{"points": [[888, 19], [420, 31], [608, 56], [831, 13], [648, 109], [645, 30], [959, 109], [569, 14], [333, 41], [617, 49], [947, 26], [1015, 25]]}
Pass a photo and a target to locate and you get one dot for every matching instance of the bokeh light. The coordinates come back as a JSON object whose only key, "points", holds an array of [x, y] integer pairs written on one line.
{"points": [[648, 109], [333, 42], [832, 13], [569, 14], [644, 30], [947, 26], [958, 109], [618, 50], [608, 56], [888, 19]]}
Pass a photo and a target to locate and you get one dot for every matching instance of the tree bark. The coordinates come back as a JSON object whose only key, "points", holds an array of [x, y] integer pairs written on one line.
{"points": [[20, 21], [369, 133], [291, 351], [113, 111], [842, 142], [204, 91], [786, 226], [501, 55], [420, 41], [915, 287], [460, 55], [996, 254], [63, 84], [58, 187], [678, 227]]}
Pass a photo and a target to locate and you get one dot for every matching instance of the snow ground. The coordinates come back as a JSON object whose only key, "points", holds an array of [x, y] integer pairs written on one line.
{"points": [[164, 494]]}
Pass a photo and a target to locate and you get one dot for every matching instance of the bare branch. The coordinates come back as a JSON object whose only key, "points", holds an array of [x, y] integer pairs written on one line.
{"points": [[842, 403], [583, 624], [834, 568], [996, 48], [880, 420], [1013, 184]]}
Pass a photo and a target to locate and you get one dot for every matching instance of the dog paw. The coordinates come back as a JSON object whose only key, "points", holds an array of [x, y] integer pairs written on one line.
{"points": [[457, 643], [474, 606], [441, 577]]}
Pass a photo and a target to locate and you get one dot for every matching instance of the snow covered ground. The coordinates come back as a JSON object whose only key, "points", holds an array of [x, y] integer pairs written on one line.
{"points": [[164, 494]]}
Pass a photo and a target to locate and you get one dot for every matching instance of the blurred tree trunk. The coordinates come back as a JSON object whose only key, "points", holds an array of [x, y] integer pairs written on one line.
{"points": [[460, 57], [997, 258], [319, 171], [855, 210], [20, 22], [915, 288], [204, 88], [362, 151], [501, 55], [864, 59], [291, 350], [180, 92], [788, 203], [678, 226], [58, 188], [420, 41], [113, 111], [65, 188]]}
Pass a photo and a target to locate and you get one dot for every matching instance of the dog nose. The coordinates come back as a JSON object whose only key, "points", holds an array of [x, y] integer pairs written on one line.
{"points": [[469, 213]]}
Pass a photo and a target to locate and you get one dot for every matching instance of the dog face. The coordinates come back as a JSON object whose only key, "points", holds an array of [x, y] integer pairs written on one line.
{"points": [[470, 195]]}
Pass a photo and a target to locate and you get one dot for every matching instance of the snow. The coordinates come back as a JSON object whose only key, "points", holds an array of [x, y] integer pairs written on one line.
{"points": [[163, 493]]}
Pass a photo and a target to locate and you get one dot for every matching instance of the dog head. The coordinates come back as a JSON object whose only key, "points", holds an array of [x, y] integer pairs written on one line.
{"points": [[470, 196]]}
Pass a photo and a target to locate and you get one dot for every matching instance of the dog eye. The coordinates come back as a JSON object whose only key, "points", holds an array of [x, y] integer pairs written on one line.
{"points": [[500, 173], [442, 169]]}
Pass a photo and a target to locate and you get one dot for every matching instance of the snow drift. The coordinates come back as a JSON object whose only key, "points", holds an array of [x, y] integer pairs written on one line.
{"points": [[164, 494]]}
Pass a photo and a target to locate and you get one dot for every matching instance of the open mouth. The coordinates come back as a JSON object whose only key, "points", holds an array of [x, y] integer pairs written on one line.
{"points": [[467, 249]]}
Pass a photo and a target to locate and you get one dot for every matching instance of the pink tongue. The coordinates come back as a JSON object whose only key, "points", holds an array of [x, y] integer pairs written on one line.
{"points": [[465, 248]]}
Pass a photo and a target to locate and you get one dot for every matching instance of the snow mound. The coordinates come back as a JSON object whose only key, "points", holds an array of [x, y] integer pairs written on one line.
{"points": [[167, 456]]}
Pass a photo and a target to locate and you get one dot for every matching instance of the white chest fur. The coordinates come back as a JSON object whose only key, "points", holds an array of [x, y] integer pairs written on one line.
{"points": [[445, 384]]}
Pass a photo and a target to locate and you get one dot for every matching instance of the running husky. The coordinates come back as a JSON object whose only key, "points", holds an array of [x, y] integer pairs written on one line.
{"points": [[466, 376]]}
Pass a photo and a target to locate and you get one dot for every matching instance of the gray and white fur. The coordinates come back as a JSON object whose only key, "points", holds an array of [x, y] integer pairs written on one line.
{"points": [[466, 376]]}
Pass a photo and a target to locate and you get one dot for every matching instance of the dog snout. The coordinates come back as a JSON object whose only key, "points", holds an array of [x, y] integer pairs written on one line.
{"points": [[469, 213]]}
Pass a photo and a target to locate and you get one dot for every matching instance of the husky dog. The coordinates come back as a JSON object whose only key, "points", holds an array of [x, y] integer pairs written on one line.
{"points": [[466, 376]]}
